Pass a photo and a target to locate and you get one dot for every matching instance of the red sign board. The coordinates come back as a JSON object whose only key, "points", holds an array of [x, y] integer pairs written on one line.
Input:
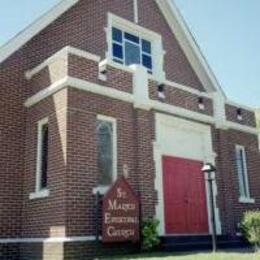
{"points": [[120, 213]]}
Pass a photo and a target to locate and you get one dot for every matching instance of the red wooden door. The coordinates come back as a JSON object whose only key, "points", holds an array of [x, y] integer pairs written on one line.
{"points": [[185, 206]]}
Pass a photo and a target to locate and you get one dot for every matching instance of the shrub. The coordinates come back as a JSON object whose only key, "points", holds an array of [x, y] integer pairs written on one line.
{"points": [[150, 237], [251, 227]]}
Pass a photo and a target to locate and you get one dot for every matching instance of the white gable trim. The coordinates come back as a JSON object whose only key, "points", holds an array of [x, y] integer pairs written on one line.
{"points": [[171, 14], [27, 34], [189, 45]]}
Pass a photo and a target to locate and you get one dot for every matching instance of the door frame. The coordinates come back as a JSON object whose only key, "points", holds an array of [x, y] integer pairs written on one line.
{"points": [[209, 155]]}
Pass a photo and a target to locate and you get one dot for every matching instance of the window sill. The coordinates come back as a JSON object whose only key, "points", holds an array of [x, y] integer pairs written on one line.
{"points": [[110, 62], [100, 189], [39, 194], [246, 200]]}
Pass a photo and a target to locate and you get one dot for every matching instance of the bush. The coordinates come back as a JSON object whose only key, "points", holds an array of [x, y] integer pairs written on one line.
{"points": [[150, 237], [251, 227]]}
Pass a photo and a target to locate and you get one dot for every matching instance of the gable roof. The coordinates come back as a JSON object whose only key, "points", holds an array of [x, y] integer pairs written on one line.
{"points": [[29, 32], [189, 45], [173, 17]]}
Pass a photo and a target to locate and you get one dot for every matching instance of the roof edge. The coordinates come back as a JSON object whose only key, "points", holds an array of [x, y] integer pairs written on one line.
{"points": [[34, 28], [189, 45]]}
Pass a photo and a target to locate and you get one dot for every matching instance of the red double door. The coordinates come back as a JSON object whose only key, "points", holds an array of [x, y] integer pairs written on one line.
{"points": [[185, 206]]}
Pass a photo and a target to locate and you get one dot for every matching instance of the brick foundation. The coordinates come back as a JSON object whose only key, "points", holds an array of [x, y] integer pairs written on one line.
{"points": [[65, 250]]}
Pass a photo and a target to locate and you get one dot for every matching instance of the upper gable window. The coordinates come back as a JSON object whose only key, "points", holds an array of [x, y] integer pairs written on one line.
{"points": [[130, 49], [129, 43]]}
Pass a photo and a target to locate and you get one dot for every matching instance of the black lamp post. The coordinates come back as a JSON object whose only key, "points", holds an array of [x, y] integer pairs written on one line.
{"points": [[210, 170]]}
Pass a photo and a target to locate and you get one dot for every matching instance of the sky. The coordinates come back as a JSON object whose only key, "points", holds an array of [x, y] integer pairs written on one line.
{"points": [[227, 31]]}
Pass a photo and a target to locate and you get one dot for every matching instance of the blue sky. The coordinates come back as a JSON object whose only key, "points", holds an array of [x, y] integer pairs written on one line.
{"points": [[228, 32]]}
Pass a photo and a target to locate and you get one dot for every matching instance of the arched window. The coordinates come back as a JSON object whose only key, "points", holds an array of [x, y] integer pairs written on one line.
{"points": [[105, 150]]}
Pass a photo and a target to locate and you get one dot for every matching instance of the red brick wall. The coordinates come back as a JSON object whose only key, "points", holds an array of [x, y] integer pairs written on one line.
{"points": [[85, 69], [57, 70], [134, 148], [227, 178], [72, 125], [12, 121], [45, 217], [83, 27], [248, 117], [177, 67], [181, 98]]}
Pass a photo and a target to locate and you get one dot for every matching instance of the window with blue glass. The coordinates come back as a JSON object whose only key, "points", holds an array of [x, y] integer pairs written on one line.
{"points": [[130, 49]]}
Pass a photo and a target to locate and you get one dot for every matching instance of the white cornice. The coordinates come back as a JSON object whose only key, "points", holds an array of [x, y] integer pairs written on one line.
{"points": [[112, 93], [242, 128], [62, 54], [58, 85], [79, 84], [127, 97], [23, 37], [159, 106], [191, 90]]}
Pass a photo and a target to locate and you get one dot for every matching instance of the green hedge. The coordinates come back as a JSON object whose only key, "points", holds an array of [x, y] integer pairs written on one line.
{"points": [[250, 226], [150, 237]]}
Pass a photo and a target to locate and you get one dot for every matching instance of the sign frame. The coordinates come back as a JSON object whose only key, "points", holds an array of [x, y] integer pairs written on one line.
{"points": [[120, 213]]}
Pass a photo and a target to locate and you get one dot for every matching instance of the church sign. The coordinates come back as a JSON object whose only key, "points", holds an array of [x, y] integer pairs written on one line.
{"points": [[120, 213]]}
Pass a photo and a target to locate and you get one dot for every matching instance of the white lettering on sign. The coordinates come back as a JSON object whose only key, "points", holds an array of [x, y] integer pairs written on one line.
{"points": [[126, 233], [120, 214], [118, 220], [114, 205], [121, 194]]}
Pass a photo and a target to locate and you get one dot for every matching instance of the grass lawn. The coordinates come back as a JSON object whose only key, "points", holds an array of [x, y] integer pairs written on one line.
{"points": [[196, 256]]}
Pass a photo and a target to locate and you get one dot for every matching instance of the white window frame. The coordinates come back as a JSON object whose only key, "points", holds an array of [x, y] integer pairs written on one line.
{"points": [[157, 52], [39, 192], [104, 188], [247, 198], [139, 45]]}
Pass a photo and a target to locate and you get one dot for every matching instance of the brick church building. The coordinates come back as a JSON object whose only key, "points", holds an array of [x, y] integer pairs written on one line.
{"points": [[99, 88]]}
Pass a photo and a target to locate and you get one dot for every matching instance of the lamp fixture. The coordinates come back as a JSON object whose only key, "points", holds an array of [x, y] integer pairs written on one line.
{"points": [[201, 103], [160, 91], [239, 114], [102, 70], [210, 170]]}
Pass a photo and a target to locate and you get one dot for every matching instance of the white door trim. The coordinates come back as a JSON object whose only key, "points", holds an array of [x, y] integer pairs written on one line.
{"points": [[208, 156]]}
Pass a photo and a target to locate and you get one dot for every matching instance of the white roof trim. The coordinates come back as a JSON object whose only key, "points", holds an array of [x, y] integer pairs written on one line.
{"points": [[189, 45], [27, 34], [172, 15]]}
